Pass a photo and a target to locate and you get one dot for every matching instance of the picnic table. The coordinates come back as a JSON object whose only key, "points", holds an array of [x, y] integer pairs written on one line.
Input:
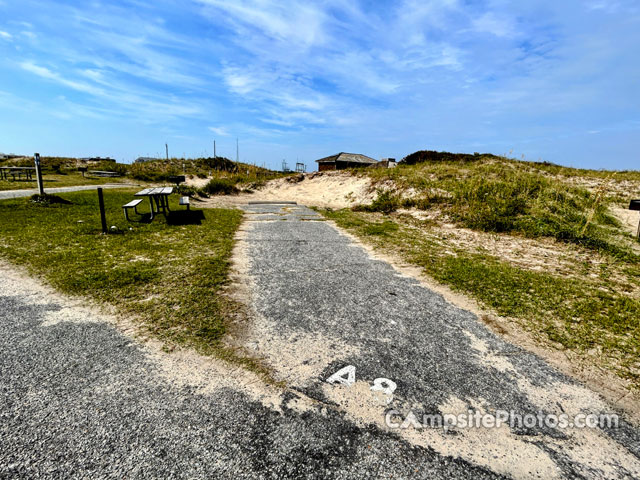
{"points": [[19, 171], [159, 195]]}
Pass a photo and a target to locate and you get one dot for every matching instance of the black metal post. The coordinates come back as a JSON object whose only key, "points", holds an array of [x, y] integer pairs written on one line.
{"points": [[103, 217], [36, 159]]}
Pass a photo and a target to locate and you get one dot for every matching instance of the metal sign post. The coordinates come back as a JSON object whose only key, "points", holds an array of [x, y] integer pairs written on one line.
{"points": [[103, 218], [36, 159]]}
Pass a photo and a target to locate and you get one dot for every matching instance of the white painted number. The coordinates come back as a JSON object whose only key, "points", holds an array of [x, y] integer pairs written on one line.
{"points": [[384, 385], [347, 376], [344, 376]]}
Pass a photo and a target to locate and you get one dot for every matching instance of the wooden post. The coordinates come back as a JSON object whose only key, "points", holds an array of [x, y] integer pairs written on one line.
{"points": [[36, 159], [103, 218]]}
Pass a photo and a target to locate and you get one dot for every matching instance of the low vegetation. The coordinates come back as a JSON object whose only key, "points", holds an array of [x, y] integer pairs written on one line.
{"points": [[169, 273], [220, 186]]}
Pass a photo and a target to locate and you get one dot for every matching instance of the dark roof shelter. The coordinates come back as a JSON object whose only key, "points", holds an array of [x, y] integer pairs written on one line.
{"points": [[344, 160]]}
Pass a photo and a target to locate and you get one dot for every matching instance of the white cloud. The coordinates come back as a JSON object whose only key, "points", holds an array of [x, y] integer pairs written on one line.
{"points": [[219, 131], [6, 35], [295, 22], [238, 81], [500, 26], [44, 72], [120, 96]]}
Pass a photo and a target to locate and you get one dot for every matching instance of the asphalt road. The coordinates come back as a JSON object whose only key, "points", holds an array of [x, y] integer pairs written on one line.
{"points": [[324, 304], [80, 399], [83, 398]]}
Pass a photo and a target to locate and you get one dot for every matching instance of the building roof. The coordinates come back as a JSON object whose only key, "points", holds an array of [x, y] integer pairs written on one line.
{"points": [[348, 157]]}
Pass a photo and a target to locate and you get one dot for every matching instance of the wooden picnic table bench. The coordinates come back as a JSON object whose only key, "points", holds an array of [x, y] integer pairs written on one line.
{"points": [[17, 171], [132, 204]]}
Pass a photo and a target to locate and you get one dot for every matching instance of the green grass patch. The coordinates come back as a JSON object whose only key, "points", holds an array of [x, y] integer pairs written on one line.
{"points": [[582, 313], [54, 180], [167, 273]]}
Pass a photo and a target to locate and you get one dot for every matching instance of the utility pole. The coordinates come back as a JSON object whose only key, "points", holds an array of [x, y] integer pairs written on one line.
{"points": [[237, 151], [214, 149], [166, 147]]}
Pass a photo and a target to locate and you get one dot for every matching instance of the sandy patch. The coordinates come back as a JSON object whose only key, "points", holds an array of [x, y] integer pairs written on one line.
{"points": [[321, 189], [498, 448], [628, 218], [611, 186], [193, 181]]}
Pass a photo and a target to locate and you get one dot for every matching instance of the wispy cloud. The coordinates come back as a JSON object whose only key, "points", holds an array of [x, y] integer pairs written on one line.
{"points": [[44, 72], [349, 73], [492, 23], [223, 132]]}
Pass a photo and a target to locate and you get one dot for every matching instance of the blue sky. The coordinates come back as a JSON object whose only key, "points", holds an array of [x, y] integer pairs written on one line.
{"points": [[551, 80]]}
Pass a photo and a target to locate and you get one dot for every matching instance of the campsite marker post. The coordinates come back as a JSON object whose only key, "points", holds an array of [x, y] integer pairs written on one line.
{"points": [[103, 217], [36, 159]]}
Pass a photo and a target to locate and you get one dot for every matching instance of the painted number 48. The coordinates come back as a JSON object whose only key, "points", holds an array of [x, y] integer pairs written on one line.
{"points": [[347, 376]]}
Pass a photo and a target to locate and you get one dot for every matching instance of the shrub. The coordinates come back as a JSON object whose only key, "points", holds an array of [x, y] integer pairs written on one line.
{"points": [[433, 156], [385, 202], [186, 190], [220, 186]]}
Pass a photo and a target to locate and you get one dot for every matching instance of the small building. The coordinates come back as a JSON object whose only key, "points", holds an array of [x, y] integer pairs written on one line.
{"points": [[344, 160], [386, 163], [9, 156]]}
